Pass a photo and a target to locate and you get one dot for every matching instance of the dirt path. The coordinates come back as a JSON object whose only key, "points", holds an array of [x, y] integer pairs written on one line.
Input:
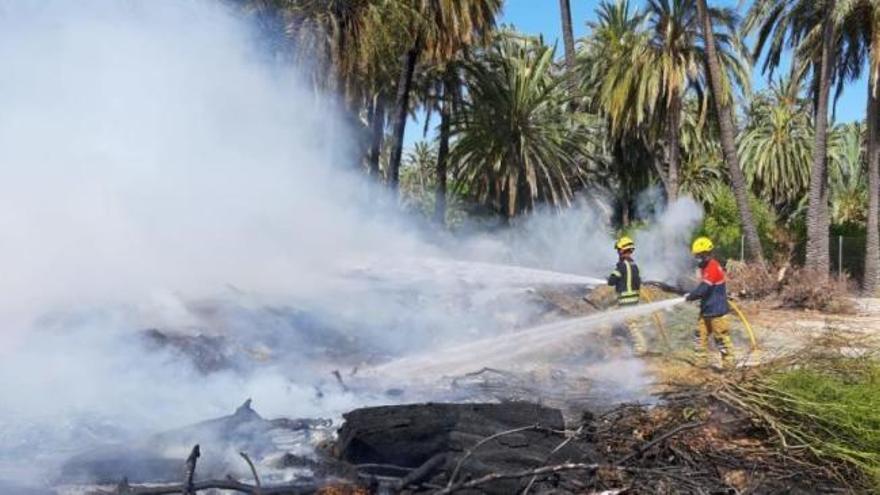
{"points": [[781, 329]]}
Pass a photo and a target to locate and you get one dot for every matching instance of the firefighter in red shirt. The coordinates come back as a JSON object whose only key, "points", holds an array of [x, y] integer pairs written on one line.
{"points": [[712, 294]]}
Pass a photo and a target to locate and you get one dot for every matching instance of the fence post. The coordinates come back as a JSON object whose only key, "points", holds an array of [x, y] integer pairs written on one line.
{"points": [[742, 248], [839, 256]]}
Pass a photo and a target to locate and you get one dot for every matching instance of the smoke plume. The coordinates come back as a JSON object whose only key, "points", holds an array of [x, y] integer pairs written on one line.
{"points": [[162, 173]]}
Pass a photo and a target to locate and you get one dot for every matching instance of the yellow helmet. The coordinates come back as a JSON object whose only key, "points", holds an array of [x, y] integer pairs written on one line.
{"points": [[624, 243], [702, 245]]}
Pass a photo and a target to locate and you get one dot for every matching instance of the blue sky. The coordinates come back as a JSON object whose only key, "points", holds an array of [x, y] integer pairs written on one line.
{"points": [[543, 17]]}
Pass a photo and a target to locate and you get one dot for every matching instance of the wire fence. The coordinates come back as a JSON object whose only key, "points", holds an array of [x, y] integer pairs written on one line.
{"points": [[847, 254]]}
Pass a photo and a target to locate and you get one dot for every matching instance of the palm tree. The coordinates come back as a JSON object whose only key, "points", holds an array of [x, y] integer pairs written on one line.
{"points": [[438, 31], [818, 252], [346, 45], [417, 173], [809, 27], [675, 66], [417, 176], [847, 174], [872, 244], [439, 90], [376, 117], [645, 64], [450, 89], [610, 86], [567, 33], [345, 38], [516, 144], [777, 144], [702, 168], [859, 24], [728, 134], [610, 89]]}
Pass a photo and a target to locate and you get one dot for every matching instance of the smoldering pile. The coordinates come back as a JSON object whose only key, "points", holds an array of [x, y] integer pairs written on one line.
{"points": [[156, 458], [489, 435], [691, 443], [239, 340]]}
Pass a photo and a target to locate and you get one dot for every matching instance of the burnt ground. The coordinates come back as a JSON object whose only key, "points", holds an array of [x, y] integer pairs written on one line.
{"points": [[552, 427], [680, 439], [687, 445]]}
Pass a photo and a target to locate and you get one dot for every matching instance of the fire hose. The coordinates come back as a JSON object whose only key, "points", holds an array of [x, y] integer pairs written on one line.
{"points": [[753, 342], [750, 332]]}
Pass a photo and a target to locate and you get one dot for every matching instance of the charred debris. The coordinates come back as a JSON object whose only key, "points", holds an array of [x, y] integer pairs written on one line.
{"points": [[692, 442], [500, 432]]}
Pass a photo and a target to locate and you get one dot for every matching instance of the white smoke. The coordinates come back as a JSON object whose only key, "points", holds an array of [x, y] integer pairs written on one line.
{"points": [[144, 150], [157, 171], [663, 247], [150, 159], [580, 240]]}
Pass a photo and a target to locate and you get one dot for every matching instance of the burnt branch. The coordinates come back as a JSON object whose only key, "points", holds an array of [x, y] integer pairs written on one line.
{"points": [[557, 468], [555, 450], [227, 484], [190, 470], [384, 467], [644, 448], [339, 379], [422, 472], [253, 471], [191, 487], [479, 444], [571, 466]]}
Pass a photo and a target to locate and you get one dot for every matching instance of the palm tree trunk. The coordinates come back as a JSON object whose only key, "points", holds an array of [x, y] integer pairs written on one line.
{"points": [[567, 32], [728, 139], [401, 109], [618, 157], [443, 151], [817, 212], [377, 135], [872, 245], [673, 133], [512, 190]]}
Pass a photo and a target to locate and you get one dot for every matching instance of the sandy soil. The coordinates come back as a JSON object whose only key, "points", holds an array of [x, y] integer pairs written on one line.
{"points": [[780, 329]]}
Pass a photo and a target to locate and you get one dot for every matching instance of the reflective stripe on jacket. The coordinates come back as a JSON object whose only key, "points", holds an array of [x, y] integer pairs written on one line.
{"points": [[626, 282]]}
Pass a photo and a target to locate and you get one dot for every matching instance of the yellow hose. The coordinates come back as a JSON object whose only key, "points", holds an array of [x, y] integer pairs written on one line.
{"points": [[742, 318], [657, 320]]}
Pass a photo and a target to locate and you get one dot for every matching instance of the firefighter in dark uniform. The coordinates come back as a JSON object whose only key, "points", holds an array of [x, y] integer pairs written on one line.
{"points": [[712, 294], [627, 283]]}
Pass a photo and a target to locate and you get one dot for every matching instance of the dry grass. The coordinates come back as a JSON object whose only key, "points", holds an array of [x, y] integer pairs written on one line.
{"points": [[750, 281], [807, 288], [793, 288]]}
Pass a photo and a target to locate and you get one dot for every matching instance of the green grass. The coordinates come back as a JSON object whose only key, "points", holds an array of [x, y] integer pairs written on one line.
{"points": [[830, 406], [838, 408]]}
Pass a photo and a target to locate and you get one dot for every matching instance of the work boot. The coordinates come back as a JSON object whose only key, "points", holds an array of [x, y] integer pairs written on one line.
{"points": [[725, 347]]}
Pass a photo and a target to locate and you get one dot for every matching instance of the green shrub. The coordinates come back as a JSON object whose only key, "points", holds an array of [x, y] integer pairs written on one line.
{"points": [[722, 225]]}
